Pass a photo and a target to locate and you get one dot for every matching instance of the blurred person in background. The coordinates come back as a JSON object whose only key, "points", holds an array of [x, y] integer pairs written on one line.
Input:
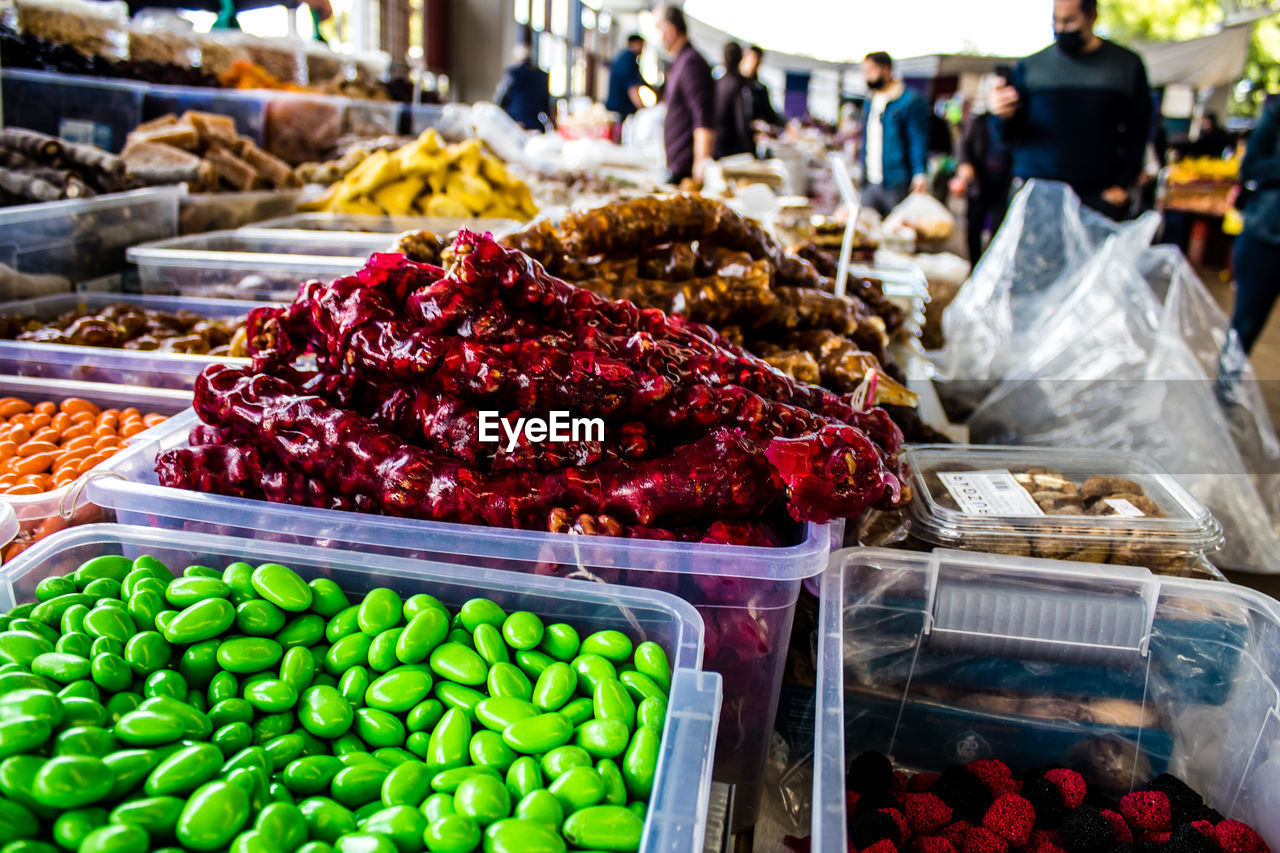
{"points": [[761, 104], [625, 79], [895, 138], [689, 128], [733, 107], [1257, 249], [1213, 141], [1079, 112], [984, 173], [525, 91]]}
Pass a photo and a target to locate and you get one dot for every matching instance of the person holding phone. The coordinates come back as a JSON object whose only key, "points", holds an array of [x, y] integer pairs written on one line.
{"points": [[1079, 112]]}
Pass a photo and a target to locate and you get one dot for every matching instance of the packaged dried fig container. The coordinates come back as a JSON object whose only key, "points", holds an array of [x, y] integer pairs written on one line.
{"points": [[1097, 506]]}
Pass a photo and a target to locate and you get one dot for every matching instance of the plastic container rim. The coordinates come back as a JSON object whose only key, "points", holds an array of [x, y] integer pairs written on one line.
{"points": [[788, 563], [1196, 532]]}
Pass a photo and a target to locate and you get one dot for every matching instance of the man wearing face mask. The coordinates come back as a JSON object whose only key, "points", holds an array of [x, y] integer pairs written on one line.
{"points": [[1079, 112], [895, 137]]}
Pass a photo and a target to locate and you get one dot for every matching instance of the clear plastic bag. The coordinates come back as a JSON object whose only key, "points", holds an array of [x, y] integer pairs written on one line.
{"points": [[160, 36], [923, 214], [1128, 357], [1045, 241]]}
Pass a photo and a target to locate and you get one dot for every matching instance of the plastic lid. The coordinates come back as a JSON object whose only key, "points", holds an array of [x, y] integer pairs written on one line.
{"points": [[1092, 505], [8, 523]]}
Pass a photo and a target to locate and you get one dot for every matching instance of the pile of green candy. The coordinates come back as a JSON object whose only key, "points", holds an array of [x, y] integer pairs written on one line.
{"points": [[251, 711]]}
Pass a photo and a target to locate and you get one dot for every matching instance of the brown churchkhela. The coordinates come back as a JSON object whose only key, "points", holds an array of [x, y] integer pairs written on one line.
{"points": [[696, 257]]}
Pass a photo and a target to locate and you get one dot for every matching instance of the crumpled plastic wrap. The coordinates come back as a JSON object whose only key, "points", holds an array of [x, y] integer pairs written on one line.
{"points": [[1046, 239], [1125, 353]]}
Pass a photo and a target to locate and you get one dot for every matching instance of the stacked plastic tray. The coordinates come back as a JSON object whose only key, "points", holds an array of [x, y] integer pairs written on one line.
{"points": [[678, 806], [941, 658], [746, 595]]}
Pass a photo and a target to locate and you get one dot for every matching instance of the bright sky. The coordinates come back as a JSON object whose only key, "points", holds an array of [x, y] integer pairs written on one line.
{"points": [[846, 30]]}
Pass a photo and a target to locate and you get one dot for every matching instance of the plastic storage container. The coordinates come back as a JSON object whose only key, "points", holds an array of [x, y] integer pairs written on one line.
{"points": [[266, 265], [677, 813], [932, 660], [1099, 506], [202, 212], [84, 240], [103, 364], [71, 107], [37, 516], [385, 224], [416, 118], [746, 595], [295, 127]]}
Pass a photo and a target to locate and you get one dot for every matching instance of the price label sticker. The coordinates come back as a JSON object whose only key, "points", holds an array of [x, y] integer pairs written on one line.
{"points": [[1124, 508], [989, 493]]}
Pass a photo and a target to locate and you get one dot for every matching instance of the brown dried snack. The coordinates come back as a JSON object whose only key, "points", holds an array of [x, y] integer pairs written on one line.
{"points": [[1124, 713], [270, 167], [1059, 503], [156, 163], [231, 169], [1098, 487], [211, 126], [798, 364], [991, 703], [1142, 503], [422, 246], [1054, 708], [180, 134]]}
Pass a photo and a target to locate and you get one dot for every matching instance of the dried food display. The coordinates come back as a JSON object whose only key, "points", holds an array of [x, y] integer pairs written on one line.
{"points": [[247, 74], [47, 444], [203, 151], [399, 706], [35, 167], [700, 434], [696, 257], [94, 29], [132, 327], [984, 806], [1087, 506], [426, 177]]}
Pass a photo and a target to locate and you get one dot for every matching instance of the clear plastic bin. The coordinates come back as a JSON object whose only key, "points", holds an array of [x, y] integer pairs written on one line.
{"points": [[1101, 506], [938, 659], [416, 118], [386, 224], [244, 264], [677, 814], [199, 213], [746, 595], [295, 127], [40, 515], [85, 239], [371, 118], [68, 106], [102, 364]]}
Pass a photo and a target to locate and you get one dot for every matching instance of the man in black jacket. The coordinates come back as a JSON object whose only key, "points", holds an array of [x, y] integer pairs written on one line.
{"points": [[1079, 112], [761, 104], [733, 107]]}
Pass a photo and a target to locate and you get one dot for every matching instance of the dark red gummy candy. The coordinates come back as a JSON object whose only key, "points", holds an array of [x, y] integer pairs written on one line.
{"points": [[1147, 810], [1204, 827], [884, 845], [993, 773], [1118, 826], [956, 832], [1012, 818], [1070, 783], [922, 782], [904, 831], [926, 813], [1236, 837], [982, 840], [933, 844]]}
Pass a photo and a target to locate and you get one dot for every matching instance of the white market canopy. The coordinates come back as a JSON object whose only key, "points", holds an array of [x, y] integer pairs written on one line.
{"points": [[944, 36]]}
